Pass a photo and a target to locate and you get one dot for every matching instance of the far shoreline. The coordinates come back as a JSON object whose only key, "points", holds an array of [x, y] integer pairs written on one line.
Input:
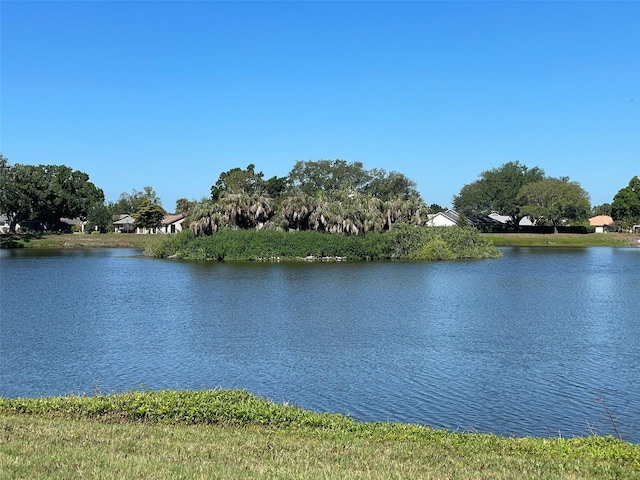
{"points": [[131, 240]]}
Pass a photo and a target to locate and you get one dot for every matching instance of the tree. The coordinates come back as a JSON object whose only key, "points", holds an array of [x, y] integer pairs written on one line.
{"points": [[275, 186], [604, 209], [184, 206], [45, 193], [324, 178], [245, 211], [297, 208], [554, 200], [5, 171], [387, 186], [330, 196], [149, 215], [100, 218], [205, 217], [237, 180], [626, 204], [497, 191], [130, 203]]}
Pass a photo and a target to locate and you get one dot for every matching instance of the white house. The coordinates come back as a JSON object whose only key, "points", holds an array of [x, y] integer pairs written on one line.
{"points": [[172, 223], [450, 218], [4, 224]]}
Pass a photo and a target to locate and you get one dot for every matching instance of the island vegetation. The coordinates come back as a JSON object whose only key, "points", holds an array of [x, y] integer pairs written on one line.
{"points": [[405, 242]]}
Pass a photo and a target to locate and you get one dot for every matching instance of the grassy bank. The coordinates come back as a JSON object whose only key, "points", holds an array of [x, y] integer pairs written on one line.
{"points": [[232, 434], [76, 240], [114, 240], [562, 239]]}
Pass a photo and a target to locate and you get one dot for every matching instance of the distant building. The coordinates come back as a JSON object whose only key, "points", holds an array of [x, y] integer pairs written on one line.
{"points": [[4, 224], [172, 223], [125, 223], [504, 219], [448, 218], [74, 224], [603, 223]]}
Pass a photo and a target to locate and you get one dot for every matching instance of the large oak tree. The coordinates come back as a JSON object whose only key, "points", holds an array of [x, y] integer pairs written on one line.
{"points": [[626, 204], [45, 193], [497, 191], [554, 200]]}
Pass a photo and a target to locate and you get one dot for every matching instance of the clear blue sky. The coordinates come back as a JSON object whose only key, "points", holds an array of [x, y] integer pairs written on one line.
{"points": [[171, 94]]}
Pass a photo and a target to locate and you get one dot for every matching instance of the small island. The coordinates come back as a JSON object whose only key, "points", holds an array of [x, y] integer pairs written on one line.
{"points": [[403, 242]]}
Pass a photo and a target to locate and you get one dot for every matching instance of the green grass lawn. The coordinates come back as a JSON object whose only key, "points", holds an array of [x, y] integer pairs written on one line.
{"points": [[232, 434], [77, 240], [562, 239]]}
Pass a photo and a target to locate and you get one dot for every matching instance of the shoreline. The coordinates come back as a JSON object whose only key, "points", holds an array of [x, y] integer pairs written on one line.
{"points": [[234, 434], [124, 240]]}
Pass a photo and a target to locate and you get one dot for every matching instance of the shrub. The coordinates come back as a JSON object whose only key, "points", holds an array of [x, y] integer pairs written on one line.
{"points": [[402, 242]]}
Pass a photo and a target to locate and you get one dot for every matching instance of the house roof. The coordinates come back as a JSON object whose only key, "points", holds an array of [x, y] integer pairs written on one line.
{"points": [[451, 215], [504, 219], [124, 220], [169, 219], [71, 221], [601, 220]]}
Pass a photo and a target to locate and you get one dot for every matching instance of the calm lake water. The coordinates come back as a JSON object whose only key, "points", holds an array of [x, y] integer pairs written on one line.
{"points": [[540, 342]]}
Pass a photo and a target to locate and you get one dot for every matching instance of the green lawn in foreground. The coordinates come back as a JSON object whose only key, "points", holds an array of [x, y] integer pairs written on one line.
{"points": [[232, 434]]}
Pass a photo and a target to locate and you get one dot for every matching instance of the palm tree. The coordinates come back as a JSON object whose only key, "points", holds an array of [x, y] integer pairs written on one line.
{"points": [[260, 210], [374, 215], [243, 210], [394, 211], [297, 208], [205, 217]]}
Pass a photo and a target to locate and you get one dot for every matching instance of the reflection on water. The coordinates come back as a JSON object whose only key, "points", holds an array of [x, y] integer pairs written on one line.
{"points": [[529, 344]]}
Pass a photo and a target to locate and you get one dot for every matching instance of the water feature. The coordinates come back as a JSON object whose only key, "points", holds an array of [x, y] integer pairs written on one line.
{"points": [[540, 342]]}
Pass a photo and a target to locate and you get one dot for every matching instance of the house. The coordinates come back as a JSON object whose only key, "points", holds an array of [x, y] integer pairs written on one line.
{"points": [[172, 223], [603, 223], [76, 225], [449, 218], [504, 219], [4, 224], [124, 223]]}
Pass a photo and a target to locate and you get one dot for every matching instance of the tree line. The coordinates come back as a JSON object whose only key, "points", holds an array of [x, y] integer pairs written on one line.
{"points": [[328, 196], [518, 191]]}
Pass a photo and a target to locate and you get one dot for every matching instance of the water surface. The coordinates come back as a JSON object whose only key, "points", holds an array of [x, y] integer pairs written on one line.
{"points": [[538, 342]]}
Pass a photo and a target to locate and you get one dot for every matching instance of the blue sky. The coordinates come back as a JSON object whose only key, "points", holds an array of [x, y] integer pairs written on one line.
{"points": [[171, 94]]}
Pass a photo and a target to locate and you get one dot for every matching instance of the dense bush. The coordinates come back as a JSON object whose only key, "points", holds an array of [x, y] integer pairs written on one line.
{"points": [[402, 242]]}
